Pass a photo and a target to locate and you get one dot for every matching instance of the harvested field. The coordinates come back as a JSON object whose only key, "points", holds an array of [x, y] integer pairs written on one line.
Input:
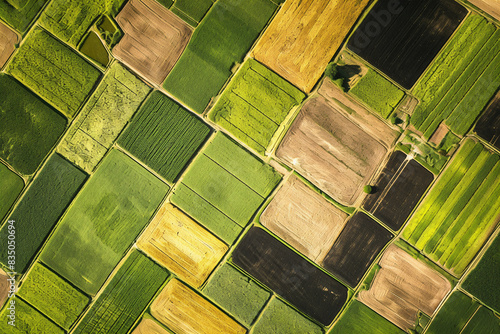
{"points": [[399, 187], [301, 40], [222, 39], [53, 71], [331, 151], [164, 135], [105, 218], [19, 14], [402, 39], [149, 326], [254, 105], [94, 48], [8, 41], [29, 128], [4, 287], [491, 7], [461, 210], [181, 245], [102, 119], [304, 219], [404, 286], [11, 185], [185, 311], [125, 297], [53, 296], [290, 276], [41, 206], [192, 11], [356, 248], [488, 126], [236, 293], [154, 39]]}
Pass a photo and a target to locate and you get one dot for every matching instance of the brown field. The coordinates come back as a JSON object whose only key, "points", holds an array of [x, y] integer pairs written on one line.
{"points": [[304, 36], [185, 311], [4, 287], [439, 134], [149, 326], [154, 39], [8, 40], [491, 7], [331, 151], [402, 287], [304, 219], [181, 245]]}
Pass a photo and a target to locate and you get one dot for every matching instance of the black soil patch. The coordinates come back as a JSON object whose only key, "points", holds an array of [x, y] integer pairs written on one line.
{"points": [[488, 126]]}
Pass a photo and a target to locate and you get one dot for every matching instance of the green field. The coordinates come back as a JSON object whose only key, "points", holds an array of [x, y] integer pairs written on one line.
{"points": [[462, 79], [360, 319], [254, 105], [40, 208], [20, 13], [460, 211], [52, 296], [192, 11], [483, 322], [28, 320], [53, 71], [106, 217], [236, 294], [222, 39], [103, 118], [378, 93], [164, 136], [93, 48], [125, 296], [224, 187], [11, 185], [29, 128]]}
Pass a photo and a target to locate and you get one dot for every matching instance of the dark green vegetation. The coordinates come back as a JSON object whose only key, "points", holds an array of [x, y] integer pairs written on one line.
{"points": [[460, 211], [236, 294], [110, 211], [11, 186], [108, 30], [93, 48], [53, 71], [484, 322], [19, 14], [164, 136], [191, 11], [29, 128], [41, 207], [290, 275], [31, 321], [224, 187], [53, 296], [222, 39], [488, 126], [125, 297], [254, 105], [462, 79]]}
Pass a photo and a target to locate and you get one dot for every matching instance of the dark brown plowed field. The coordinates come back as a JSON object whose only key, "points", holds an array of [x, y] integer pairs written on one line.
{"points": [[488, 126], [401, 38]]}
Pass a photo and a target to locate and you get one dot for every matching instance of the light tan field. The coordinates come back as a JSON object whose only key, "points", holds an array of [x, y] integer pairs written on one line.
{"points": [[154, 39], [149, 326], [8, 40], [304, 36], [181, 245], [304, 219], [4, 287], [491, 7], [402, 287], [186, 312]]}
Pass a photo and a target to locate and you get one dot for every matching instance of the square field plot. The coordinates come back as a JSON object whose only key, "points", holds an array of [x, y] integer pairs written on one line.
{"points": [[8, 41], [401, 38], [254, 105], [11, 185], [154, 39], [488, 126]]}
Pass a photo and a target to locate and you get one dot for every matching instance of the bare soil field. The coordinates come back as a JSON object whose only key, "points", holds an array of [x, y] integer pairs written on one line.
{"points": [[181, 245], [8, 40], [439, 134], [491, 7], [149, 326], [488, 126], [304, 219], [304, 36], [154, 39], [402, 287], [4, 287]]}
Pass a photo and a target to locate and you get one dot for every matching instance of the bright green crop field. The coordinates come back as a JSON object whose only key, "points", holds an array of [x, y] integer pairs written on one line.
{"points": [[31, 321], [19, 13], [11, 185]]}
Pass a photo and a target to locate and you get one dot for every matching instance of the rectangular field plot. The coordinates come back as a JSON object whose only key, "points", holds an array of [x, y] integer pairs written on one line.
{"points": [[125, 297], [223, 38], [11, 186], [102, 119], [164, 135], [110, 211], [29, 128], [154, 39], [357, 246], [40, 208], [185, 311], [488, 126], [254, 105], [52, 296], [301, 39], [403, 287], [19, 14], [181, 245], [461, 210], [398, 189], [224, 187], [402, 38], [53, 71], [8, 41], [31, 321], [290, 276], [462, 79]]}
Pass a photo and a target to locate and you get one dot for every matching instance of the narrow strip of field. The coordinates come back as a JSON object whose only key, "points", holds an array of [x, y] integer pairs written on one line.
{"points": [[11, 185], [8, 41]]}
